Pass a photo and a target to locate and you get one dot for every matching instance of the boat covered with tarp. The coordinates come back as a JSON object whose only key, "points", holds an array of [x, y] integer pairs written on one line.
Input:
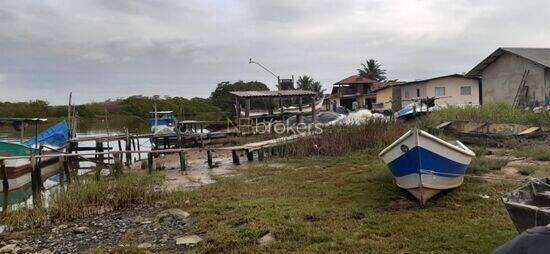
{"points": [[425, 165], [529, 206], [18, 170]]}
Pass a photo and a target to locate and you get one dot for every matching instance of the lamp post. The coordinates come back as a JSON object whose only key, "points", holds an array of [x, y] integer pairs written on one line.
{"points": [[266, 69]]}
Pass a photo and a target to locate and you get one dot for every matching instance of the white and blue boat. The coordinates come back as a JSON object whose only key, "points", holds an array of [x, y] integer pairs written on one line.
{"points": [[425, 165]]}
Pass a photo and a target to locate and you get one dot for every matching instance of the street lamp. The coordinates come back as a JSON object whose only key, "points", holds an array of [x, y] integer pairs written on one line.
{"points": [[266, 69]]}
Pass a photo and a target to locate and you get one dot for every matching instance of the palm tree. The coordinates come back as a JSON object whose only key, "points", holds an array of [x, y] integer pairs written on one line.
{"points": [[372, 70], [305, 82]]}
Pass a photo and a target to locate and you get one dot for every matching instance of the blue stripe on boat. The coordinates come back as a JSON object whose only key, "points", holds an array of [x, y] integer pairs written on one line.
{"points": [[408, 164]]}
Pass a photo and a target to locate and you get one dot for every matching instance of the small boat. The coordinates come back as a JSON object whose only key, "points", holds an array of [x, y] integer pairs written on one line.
{"points": [[494, 134], [163, 122], [291, 109], [425, 165], [18, 171], [529, 206]]}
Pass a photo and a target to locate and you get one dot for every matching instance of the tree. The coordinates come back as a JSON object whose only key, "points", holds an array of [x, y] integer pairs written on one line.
{"points": [[225, 101], [307, 83], [372, 70]]}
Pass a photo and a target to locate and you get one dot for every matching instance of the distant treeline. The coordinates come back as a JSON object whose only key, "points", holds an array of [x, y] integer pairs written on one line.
{"points": [[219, 104]]}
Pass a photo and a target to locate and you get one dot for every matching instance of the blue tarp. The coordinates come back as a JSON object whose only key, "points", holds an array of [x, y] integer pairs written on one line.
{"points": [[57, 135]]}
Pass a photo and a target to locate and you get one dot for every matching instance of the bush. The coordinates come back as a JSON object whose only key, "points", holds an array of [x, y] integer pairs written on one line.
{"points": [[340, 140]]}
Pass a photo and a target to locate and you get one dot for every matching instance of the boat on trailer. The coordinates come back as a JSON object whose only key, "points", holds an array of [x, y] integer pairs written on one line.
{"points": [[18, 171], [529, 206], [425, 165]]}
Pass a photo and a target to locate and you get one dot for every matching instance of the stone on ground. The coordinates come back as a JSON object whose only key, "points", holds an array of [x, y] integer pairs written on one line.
{"points": [[188, 240], [145, 246], [10, 248], [173, 212], [266, 239]]}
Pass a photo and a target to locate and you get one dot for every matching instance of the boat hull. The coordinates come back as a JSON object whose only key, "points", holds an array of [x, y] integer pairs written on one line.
{"points": [[425, 165], [528, 206]]}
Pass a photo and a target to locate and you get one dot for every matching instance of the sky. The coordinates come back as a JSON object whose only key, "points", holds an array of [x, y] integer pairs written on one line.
{"points": [[105, 49]]}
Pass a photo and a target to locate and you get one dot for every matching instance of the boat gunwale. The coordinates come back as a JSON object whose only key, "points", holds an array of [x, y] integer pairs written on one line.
{"points": [[462, 149]]}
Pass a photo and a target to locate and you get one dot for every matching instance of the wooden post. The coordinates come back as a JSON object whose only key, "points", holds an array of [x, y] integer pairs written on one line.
{"points": [[260, 154], [313, 111], [99, 148], [249, 155], [183, 164], [66, 169], [128, 149], [301, 115], [34, 182], [150, 162], [166, 143], [209, 155], [235, 157], [5, 186], [134, 146], [139, 149], [247, 109], [281, 106], [237, 110]]}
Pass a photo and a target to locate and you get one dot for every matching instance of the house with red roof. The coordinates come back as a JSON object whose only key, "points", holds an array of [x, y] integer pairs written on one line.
{"points": [[354, 88]]}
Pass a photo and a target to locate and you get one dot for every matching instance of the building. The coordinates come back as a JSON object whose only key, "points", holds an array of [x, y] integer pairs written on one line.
{"points": [[354, 88], [388, 96], [502, 72], [454, 89]]}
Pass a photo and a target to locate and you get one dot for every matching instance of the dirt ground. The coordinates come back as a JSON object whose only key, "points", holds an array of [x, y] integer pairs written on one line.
{"points": [[197, 173]]}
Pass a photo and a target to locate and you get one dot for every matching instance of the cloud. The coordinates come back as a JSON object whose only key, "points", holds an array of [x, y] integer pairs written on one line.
{"points": [[107, 49]]}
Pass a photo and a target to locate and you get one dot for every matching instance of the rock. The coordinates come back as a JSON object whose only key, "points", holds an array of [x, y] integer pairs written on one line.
{"points": [[145, 246], [174, 213], [8, 248], [188, 240], [80, 230], [44, 251], [27, 249], [266, 239]]}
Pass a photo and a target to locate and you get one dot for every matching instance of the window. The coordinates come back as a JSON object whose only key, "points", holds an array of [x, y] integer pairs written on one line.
{"points": [[406, 93], [417, 92], [465, 90], [440, 91]]}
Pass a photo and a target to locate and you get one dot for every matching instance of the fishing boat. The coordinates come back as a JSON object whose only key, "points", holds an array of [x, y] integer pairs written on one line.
{"points": [[425, 165], [290, 110], [163, 122], [494, 134], [529, 206], [18, 171]]}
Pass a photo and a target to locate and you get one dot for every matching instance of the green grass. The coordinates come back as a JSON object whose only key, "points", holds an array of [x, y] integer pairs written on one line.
{"points": [[86, 196], [481, 165], [342, 204], [539, 153], [492, 112]]}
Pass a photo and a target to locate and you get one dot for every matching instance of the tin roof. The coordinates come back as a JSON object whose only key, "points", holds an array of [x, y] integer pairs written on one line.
{"points": [[539, 56], [267, 94]]}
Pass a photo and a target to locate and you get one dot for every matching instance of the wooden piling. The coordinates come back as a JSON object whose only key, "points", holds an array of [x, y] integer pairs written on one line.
{"points": [[235, 156], [128, 154], [139, 149], [260, 154], [209, 155], [134, 146], [183, 164], [66, 169], [150, 162], [5, 186], [34, 182], [249, 155]]}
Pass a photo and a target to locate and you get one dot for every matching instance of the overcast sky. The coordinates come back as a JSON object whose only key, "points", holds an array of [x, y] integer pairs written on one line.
{"points": [[110, 49]]}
